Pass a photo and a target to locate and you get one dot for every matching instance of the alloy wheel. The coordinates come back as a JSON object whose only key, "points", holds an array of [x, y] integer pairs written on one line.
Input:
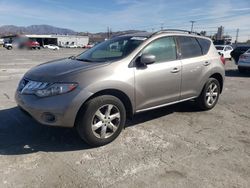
{"points": [[212, 94], [106, 121]]}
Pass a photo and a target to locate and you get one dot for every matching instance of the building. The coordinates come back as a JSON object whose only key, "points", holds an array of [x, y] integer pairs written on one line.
{"points": [[220, 33], [60, 40], [220, 39]]}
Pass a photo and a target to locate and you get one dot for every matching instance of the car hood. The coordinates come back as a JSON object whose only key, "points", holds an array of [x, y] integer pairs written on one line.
{"points": [[58, 69]]}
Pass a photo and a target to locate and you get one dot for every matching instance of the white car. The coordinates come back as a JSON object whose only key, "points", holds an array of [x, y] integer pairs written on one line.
{"points": [[224, 50], [72, 46], [244, 62], [52, 47]]}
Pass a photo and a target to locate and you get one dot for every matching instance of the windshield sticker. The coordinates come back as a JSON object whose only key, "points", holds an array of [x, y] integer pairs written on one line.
{"points": [[138, 38]]}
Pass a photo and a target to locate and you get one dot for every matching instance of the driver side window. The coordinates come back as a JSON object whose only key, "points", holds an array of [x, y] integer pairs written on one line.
{"points": [[164, 49]]}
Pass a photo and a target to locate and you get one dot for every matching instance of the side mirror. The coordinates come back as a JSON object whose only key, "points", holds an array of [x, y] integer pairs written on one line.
{"points": [[147, 59]]}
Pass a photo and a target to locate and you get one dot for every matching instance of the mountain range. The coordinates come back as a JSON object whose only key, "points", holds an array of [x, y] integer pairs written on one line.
{"points": [[35, 29], [49, 30]]}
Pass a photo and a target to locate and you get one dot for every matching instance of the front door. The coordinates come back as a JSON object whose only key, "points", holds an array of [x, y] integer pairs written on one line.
{"points": [[158, 83]]}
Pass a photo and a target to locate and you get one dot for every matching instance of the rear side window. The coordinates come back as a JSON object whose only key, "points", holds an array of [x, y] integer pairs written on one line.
{"points": [[189, 47], [205, 45]]}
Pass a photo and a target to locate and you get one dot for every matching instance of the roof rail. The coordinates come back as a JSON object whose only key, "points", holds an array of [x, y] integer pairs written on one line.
{"points": [[174, 30]]}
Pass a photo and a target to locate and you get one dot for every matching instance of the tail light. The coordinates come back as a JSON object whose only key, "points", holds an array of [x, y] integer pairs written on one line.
{"points": [[223, 60]]}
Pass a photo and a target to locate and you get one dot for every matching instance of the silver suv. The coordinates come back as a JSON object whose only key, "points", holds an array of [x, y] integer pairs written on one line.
{"points": [[97, 90]]}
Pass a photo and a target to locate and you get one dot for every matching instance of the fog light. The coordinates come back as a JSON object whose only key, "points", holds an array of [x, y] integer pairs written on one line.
{"points": [[48, 117]]}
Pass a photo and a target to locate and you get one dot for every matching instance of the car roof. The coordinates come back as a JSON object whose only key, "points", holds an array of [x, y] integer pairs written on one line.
{"points": [[169, 31], [140, 34]]}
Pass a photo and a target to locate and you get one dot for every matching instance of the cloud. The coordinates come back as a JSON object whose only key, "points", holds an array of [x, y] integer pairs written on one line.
{"points": [[131, 14]]}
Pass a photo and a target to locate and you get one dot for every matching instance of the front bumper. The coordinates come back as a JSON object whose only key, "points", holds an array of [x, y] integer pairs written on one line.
{"points": [[60, 110]]}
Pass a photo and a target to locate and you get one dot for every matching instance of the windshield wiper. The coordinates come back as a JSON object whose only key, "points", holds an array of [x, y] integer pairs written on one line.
{"points": [[72, 57], [86, 60]]}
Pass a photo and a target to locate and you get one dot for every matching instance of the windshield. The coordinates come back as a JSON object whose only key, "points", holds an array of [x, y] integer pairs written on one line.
{"points": [[110, 50], [219, 47]]}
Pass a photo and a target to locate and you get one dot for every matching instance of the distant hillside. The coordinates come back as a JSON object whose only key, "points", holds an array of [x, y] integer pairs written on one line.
{"points": [[34, 29], [47, 29]]}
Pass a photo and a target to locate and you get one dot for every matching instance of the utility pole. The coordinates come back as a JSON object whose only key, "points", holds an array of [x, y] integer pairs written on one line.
{"points": [[192, 25], [161, 26], [237, 36], [108, 32]]}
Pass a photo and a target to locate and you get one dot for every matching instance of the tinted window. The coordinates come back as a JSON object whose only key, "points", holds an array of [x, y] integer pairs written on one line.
{"points": [[242, 49], [219, 47], [205, 45], [189, 47], [164, 49]]}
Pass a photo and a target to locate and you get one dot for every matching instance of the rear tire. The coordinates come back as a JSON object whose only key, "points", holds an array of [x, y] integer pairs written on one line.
{"points": [[101, 120], [209, 95]]}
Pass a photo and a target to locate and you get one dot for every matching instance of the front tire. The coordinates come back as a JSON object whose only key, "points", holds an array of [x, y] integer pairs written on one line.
{"points": [[101, 120], [209, 95]]}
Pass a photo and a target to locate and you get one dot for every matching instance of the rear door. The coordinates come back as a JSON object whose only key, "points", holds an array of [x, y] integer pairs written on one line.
{"points": [[158, 83], [194, 64]]}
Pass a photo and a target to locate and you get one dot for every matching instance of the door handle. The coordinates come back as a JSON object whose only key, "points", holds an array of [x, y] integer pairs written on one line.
{"points": [[175, 70], [207, 63]]}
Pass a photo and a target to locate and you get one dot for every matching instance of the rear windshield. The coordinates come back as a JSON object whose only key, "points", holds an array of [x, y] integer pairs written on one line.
{"points": [[219, 47]]}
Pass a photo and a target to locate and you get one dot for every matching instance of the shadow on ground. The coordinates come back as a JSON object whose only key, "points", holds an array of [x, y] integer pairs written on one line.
{"points": [[236, 73], [20, 134]]}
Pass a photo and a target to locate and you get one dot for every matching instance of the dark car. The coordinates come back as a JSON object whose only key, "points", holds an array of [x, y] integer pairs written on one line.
{"points": [[237, 52]]}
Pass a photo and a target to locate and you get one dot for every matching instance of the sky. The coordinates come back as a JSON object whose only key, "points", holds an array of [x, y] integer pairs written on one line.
{"points": [[150, 15]]}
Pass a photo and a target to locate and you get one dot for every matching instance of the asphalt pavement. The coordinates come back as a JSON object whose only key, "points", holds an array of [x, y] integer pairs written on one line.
{"points": [[175, 146]]}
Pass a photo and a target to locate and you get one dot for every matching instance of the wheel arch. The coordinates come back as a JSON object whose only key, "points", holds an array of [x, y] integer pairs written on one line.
{"points": [[218, 77], [113, 92]]}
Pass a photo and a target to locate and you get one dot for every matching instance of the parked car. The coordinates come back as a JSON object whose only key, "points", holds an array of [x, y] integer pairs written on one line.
{"points": [[51, 46], [244, 62], [91, 45], [224, 50], [99, 89], [8, 46], [30, 44], [239, 51], [71, 46]]}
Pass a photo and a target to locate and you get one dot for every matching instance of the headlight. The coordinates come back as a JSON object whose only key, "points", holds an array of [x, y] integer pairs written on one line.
{"points": [[56, 89], [42, 89]]}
